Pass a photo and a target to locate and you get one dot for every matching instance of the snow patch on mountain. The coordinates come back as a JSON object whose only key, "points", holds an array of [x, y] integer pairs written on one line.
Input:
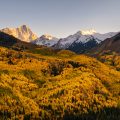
{"points": [[88, 32], [100, 37]]}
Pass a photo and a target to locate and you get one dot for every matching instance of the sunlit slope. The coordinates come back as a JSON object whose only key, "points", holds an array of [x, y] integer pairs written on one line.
{"points": [[65, 86], [23, 33]]}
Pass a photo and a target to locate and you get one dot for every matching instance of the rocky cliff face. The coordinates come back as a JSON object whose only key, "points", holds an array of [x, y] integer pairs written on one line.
{"points": [[23, 33]]}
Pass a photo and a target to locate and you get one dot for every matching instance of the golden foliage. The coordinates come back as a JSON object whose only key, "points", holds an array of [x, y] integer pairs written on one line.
{"points": [[39, 87]]}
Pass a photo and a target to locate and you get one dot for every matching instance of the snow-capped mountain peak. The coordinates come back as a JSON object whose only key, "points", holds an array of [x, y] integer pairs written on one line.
{"points": [[46, 40], [47, 37], [88, 32]]}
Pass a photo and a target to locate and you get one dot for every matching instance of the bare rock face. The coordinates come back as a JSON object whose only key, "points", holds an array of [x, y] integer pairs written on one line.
{"points": [[23, 33]]}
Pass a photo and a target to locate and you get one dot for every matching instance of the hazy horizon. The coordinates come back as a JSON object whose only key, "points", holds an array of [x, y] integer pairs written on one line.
{"points": [[61, 18]]}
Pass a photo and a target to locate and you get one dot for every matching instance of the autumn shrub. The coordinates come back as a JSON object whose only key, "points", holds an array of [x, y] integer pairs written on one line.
{"points": [[44, 51], [30, 74], [54, 68], [5, 91], [4, 72], [40, 82]]}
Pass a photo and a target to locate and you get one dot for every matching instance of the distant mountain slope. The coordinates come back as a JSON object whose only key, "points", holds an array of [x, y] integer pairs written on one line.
{"points": [[78, 42], [83, 47], [82, 40], [23, 33], [109, 45]]}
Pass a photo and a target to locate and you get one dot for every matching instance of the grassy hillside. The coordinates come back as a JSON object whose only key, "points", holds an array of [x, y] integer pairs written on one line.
{"points": [[59, 86]]}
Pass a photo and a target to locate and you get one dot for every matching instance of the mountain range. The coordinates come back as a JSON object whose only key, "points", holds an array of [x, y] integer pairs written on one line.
{"points": [[80, 42], [83, 40]]}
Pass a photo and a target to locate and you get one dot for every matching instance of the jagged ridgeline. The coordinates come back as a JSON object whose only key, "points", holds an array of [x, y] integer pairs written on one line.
{"points": [[55, 85], [80, 42]]}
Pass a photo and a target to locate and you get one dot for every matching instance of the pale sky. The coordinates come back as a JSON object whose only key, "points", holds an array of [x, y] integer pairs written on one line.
{"points": [[61, 18]]}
